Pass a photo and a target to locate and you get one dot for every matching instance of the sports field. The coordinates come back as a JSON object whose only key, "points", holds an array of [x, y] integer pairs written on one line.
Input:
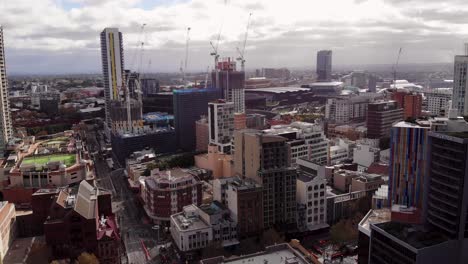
{"points": [[67, 159]]}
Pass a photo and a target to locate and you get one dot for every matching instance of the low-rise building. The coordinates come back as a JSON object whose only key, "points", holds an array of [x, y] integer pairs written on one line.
{"points": [[365, 155], [165, 193], [343, 205], [220, 164], [196, 227], [311, 202]]}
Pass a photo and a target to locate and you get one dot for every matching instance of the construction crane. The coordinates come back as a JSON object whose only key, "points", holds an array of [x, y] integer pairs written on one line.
{"points": [[395, 67], [216, 58], [187, 40], [241, 57]]}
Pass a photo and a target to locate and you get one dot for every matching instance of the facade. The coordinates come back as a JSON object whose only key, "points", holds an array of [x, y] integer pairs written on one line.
{"points": [[460, 84], [83, 221], [264, 159], [202, 134], [244, 198], [119, 116], [280, 73], [221, 124], [340, 206], [149, 86], [408, 161], [196, 227], [365, 155], [311, 202], [324, 65], [112, 67], [167, 192], [189, 106], [231, 82], [6, 130], [159, 102], [410, 102], [304, 140], [8, 230], [220, 164], [346, 109], [438, 101], [380, 118]]}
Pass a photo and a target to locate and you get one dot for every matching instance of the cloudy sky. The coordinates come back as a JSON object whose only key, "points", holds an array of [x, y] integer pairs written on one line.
{"points": [[62, 36]]}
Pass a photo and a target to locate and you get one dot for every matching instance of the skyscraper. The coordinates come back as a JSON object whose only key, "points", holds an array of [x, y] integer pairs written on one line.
{"points": [[6, 130], [112, 67], [221, 124], [324, 65], [460, 84], [231, 83]]}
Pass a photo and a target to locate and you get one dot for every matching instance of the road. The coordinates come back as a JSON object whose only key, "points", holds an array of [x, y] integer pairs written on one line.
{"points": [[134, 230]]}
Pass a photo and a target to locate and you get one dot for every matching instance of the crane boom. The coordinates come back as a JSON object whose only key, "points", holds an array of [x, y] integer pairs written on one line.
{"points": [[396, 66], [242, 52]]}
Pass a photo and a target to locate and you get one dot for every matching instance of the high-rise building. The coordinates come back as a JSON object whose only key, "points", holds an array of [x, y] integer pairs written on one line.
{"points": [[112, 67], [189, 106], [264, 158], [231, 83], [324, 65], [380, 118], [372, 84], [221, 124], [438, 101], [345, 109], [411, 103], [460, 84], [408, 160], [149, 86], [6, 130]]}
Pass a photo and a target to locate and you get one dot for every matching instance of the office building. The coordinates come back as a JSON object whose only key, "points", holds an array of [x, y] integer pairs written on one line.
{"points": [[159, 102], [304, 140], [343, 205], [6, 130], [167, 192], [112, 67], [460, 84], [324, 65], [372, 84], [359, 79], [343, 110], [408, 161], [231, 83], [438, 101], [380, 118], [280, 73], [221, 124], [264, 159], [189, 106], [311, 202]]}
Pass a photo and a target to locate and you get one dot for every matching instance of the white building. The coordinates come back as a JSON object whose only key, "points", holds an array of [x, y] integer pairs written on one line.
{"points": [[341, 151], [311, 200], [345, 109], [365, 155], [221, 124], [112, 67], [460, 84], [438, 101], [6, 130], [197, 227], [305, 140]]}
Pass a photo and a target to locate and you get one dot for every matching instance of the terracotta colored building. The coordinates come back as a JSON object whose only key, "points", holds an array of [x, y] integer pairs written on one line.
{"points": [[220, 164], [411, 103], [201, 134]]}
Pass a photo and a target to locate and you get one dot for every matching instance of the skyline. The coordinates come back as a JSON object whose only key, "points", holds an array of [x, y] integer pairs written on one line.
{"points": [[50, 36]]}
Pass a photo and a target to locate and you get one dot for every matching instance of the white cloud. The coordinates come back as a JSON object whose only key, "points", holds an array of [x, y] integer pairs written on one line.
{"points": [[283, 32]]}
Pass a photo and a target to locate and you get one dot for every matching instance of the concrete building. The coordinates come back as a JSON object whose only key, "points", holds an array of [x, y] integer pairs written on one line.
{"points": [[189, 105], [231, 82], [359, 79], [112, 67], [372, 84], [6, 129], [380, 118], [365, 155], [438, 101], [47, 102], [221, 124], [305, 140], [197, 227], [324, 65], [460, 84], [7, 226], [343, 205], [341, 150], [311, 202], [410, 102], [167, 192], [281, 253], [325, 88], [202, 134], [264, 159], [220, 164], [119, 116], [149, 86], [346, 109]]}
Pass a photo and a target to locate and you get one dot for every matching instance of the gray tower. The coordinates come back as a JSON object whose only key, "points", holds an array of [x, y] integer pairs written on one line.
{"points": [[324, 65]]}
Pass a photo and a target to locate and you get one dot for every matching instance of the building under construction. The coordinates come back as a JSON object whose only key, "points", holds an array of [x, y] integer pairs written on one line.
{"points": [[231, 83]]}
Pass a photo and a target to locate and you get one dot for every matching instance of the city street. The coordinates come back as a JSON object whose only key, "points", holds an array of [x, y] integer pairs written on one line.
{"points": [[139, 238]]}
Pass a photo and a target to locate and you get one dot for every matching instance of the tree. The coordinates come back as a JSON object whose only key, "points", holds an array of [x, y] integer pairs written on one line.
{"points": [[344, 231], [87, 258]]}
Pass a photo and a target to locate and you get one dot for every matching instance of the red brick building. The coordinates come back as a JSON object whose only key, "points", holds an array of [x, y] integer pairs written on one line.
{"points": [[167, 192], [411, 103], [83, 222]]}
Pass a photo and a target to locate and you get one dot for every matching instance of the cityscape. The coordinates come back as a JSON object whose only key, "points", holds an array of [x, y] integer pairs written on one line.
{"points": [[320, 158]]}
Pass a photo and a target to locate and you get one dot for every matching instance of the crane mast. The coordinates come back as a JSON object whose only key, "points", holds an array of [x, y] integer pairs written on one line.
{"points": [[242, 52]]}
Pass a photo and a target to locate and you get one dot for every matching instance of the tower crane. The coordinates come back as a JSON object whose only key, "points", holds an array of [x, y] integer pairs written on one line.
{"points": [[187, 40], [241, 57]]}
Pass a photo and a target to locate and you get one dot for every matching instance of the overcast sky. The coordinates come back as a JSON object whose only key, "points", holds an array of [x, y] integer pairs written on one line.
{"points": [[62, 36]]}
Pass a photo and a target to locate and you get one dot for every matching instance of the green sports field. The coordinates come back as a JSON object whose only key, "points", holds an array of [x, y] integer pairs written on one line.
{"points": [[67, 159]]}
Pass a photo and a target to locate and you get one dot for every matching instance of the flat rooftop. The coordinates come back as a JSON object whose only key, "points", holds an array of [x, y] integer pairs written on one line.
{"points": [[374, 216], [278, 90], [414, 235]]}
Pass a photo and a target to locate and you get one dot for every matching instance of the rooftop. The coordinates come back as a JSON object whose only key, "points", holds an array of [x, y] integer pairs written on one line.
{"points": [[413, 235], [278, 90], [374, 216], [189, 219], [325, 84]]}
